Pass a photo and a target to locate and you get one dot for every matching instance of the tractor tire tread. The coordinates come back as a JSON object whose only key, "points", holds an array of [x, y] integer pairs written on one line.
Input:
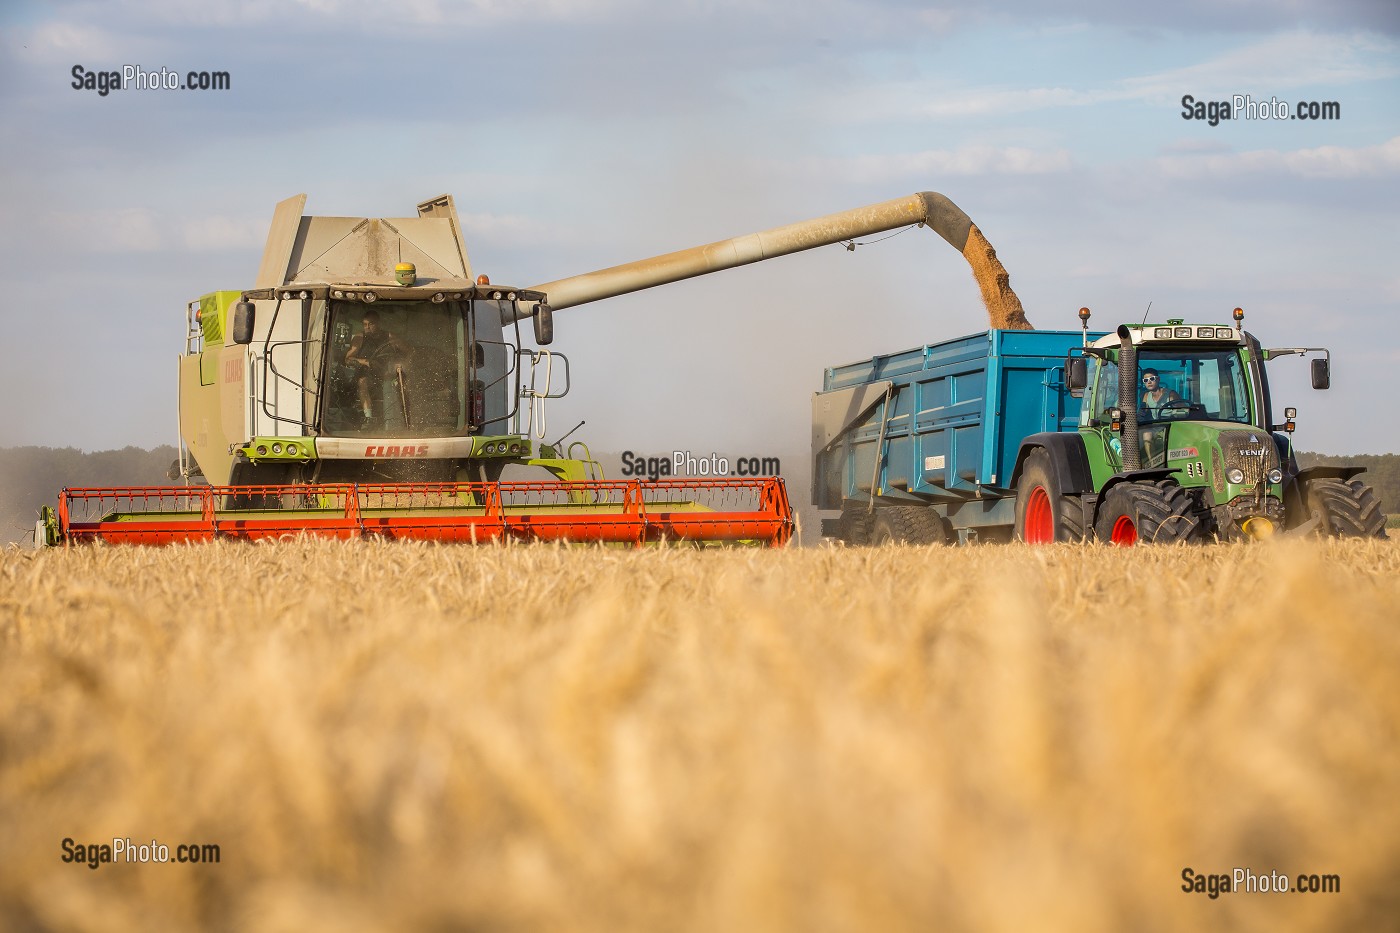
{"points": [[1349, 509], [1163, 512]]}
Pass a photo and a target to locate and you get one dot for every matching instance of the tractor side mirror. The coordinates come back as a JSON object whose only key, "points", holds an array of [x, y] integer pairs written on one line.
{"points": [[243, 315], [1076, 375], [544, 324], [1321, 374]]}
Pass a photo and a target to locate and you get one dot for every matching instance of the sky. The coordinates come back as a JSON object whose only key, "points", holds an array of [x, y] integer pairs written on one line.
{"points": [[578, 134]]}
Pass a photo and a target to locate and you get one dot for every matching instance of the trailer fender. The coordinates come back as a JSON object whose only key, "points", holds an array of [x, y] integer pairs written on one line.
{"points": [[1068, 459]]}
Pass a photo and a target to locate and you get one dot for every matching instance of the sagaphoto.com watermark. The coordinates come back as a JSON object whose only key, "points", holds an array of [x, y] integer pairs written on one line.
{"points": [[134, 77], [1245, 107], [123, 851]]}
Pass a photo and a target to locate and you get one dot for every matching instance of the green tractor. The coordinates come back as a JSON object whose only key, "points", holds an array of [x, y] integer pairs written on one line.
{"points": [[1178, 441]]}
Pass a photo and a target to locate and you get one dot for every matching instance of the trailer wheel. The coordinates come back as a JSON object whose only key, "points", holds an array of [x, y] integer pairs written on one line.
{"points": [[1147, 513], [856, 525], [1043, 513], [908, 525], [1349, 510]]}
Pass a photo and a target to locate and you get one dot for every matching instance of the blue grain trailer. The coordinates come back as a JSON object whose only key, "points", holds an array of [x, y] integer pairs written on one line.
{"points": [[920, 446]]}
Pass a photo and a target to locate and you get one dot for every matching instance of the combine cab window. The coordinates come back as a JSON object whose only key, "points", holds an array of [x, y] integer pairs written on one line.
{"points": [[398, 369], [1207, 385]]}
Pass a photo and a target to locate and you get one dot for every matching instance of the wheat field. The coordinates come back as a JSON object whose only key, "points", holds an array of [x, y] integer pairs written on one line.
{"points": [[414, 737]]}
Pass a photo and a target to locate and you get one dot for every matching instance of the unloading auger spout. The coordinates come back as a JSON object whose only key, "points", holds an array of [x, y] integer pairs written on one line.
{"points": [[926, 208]]}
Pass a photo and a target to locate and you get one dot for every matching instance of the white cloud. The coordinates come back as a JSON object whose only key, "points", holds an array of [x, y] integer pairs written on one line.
{"points": [[508, 230], [964, 161], [1321, 162], [1273, 65], [127, 230], [210, 234]]}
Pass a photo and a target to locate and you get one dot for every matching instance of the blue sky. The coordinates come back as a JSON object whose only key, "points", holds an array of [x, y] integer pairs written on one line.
{"points": [[577, 134]]}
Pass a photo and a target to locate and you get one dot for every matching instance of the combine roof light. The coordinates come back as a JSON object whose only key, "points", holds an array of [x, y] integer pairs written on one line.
{"points": [[277, 448], [262, 451], [371, 296], [292, 449], [1162, 333], [439, 298], [496, 295], [1181, 332], [337, 294], [305, 295], [510, 296]]}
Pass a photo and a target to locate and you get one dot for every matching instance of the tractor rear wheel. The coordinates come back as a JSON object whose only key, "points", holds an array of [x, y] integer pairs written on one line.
{"points": [[908, 525], [1044, 514], [1348, 510], [1147, 513]]}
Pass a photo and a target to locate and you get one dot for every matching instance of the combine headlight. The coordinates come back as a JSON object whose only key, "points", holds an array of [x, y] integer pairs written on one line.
{"points": [[1275, 477], [1235, 475]]}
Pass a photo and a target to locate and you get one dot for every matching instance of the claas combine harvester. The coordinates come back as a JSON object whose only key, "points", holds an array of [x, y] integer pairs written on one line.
{"points": [[368, 384]]}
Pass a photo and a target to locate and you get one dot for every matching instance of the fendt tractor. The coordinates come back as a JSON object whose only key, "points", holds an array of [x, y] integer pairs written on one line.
{"points": [[367, 384], [1154, 433]]}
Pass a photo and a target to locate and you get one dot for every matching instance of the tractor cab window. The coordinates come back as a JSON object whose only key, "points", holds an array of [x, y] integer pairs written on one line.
{"points": [[1204, 385], [398, 369], [1103, 376]]}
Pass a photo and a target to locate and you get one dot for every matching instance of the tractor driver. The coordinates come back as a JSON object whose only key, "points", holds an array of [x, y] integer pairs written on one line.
{"points": [[1156, 396], [367, 355]]}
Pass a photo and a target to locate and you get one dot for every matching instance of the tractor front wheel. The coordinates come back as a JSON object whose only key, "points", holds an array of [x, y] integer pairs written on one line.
{"points": [[1348, 510], [1147, 513]]}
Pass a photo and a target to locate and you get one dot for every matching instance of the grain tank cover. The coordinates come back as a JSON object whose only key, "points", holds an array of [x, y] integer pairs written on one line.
{"points": [[304, 249]]}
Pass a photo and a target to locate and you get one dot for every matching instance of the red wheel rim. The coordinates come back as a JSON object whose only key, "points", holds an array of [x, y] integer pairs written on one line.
{"points": [[1124, 532], [1040, 523]]}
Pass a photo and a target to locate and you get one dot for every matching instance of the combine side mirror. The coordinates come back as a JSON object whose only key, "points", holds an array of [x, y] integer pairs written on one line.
{"points": [[1076, 375], [243, 314], [1321, 374], [544, 324]]}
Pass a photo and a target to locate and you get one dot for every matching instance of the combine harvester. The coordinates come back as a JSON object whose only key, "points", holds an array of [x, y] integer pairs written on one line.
{"points": [[368, 384]]}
